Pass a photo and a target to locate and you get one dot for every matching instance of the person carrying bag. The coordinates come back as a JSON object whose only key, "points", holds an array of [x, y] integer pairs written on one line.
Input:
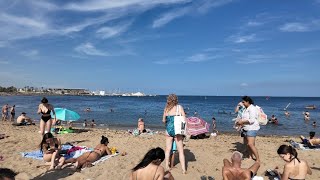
{"points": [[179, 122]]}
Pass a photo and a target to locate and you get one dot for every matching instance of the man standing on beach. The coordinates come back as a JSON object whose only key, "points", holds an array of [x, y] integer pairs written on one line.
{"points": [[5, 111], [232, 170]]}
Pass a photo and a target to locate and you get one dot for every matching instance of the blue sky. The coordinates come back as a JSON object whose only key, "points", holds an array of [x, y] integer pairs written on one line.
{"points": [[188, 47]]}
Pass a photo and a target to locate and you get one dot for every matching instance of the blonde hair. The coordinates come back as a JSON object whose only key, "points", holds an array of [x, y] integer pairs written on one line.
{"points": [[172, 100]]}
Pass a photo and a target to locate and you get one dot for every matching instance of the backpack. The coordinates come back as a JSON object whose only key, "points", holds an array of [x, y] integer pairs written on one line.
{"points": [[262, 117]]}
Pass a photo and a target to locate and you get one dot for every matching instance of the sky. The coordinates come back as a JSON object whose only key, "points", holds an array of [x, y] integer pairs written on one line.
{"points": [[187, 47]]}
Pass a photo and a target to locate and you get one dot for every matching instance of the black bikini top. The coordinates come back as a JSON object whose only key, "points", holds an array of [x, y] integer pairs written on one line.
{"points": [[48, 112]]}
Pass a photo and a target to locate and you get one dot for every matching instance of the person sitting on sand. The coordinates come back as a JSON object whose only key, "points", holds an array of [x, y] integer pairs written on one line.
{"points": [[294, 168], [24, 120], [51, 146], [7, 174], [86, 159], [141, 126], [150, 166], [233, 171]]}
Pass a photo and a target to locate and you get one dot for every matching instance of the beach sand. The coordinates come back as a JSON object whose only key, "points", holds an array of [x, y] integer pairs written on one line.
{"points": [[204, 156]]}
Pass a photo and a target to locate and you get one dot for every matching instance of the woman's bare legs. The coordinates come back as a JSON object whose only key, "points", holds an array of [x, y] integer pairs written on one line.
{"points": [[179, 139], [48, 125], [60, 162], [169, 141], [252, 148], [53, 158], [42, 126]]}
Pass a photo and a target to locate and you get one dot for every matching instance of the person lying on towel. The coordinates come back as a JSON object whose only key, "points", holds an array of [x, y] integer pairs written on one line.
{"points": [[86, 159], [312, 141]]}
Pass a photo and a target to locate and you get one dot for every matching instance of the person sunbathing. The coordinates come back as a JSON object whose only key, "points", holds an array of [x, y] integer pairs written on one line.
{"points": [[294, 168], [86, 159], [311, 141], [150, 166], [233, 171], [50, 147]]}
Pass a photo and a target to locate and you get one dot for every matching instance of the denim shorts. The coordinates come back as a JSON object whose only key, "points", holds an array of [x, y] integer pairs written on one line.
{"points": [[251, 133]]}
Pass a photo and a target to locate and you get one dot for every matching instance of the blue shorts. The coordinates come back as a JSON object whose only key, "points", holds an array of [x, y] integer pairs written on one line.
{"points": [[251, 133]]}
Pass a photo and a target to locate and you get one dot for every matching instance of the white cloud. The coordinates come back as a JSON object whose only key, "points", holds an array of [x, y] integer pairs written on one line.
{"points": [[206, 5], [89, 49], [102, 5], [22, 21], [108, 32], [244, 84], [250, 61], [200, 58], [313, 25], [167, 17], [254, 23], [198, 7], [243, 38], [30, 53], [294, 27]]}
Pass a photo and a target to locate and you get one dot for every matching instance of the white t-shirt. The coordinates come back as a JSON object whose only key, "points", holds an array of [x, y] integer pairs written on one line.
{"points": [[251, 114]]}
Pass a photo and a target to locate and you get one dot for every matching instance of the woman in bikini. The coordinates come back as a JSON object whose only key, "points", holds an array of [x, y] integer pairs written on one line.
{"points": [[50, 147], [45, 109], [86, 159], [294, 169], [168, 118], [150, 168]]}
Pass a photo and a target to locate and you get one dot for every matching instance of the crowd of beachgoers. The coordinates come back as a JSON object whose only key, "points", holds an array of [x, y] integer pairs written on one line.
{"points": [[172, 148]]}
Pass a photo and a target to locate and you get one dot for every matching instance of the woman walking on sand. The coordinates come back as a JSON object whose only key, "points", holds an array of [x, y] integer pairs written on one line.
{"points": [[249, 121], [45, 109], [169, 112]]}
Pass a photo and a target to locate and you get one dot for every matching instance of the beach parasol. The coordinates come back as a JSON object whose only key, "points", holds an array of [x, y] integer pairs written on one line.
{"points": [[196, 126], [64, 114]]}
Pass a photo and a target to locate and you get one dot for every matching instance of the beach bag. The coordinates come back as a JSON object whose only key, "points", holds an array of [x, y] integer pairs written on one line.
{"points": [[262, 117], [179, 123]]}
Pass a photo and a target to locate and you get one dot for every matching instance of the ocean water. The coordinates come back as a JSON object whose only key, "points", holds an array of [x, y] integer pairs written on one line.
{"points": [[127, 110]]}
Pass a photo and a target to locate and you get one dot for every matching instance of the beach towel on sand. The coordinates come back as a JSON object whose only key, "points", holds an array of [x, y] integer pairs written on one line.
{"points": [[74, 154], [301, 146], [135, 132], [39, 156]]}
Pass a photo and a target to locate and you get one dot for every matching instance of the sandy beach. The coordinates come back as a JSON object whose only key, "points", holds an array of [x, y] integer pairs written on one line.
{"points": [[204, 156]]}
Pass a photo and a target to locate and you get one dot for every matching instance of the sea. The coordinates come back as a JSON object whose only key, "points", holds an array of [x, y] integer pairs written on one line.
{"points": [[123, 112]]}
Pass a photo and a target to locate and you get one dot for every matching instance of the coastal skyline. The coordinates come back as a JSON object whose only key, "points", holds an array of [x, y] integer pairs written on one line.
{"points": [[187, 47]]}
